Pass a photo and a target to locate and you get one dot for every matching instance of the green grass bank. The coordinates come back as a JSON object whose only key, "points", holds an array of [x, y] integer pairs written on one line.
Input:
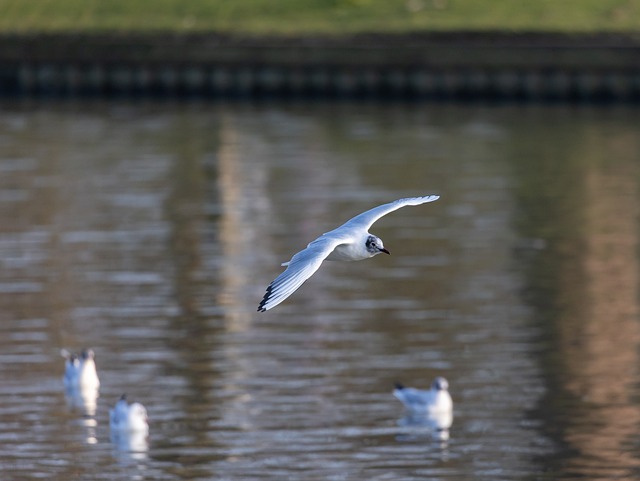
{"points": [[327, 17]]}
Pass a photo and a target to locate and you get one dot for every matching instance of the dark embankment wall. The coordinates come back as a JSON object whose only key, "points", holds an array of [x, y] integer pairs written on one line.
{"points": [[449, 66]]}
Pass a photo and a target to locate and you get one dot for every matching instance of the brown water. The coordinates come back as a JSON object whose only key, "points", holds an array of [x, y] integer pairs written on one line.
{"points": [[150, 231]]}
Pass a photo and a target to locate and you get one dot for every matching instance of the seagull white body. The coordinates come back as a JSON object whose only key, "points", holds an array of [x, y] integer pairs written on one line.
{"points": [[433, 402], [126, 417], [80, 371], [349, 242]]}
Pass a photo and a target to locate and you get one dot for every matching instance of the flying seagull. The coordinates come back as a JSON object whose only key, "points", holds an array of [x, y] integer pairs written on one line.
{"points": [[349, 242]]}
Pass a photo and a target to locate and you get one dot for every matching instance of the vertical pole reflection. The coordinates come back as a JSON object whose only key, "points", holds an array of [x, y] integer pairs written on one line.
{"points": [[585, 289], [601, 346], [243, 200]]}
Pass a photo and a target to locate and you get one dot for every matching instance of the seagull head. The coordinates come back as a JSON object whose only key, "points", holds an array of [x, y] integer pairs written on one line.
{"points": [[375, 246], [87, 354], [440, 384]]}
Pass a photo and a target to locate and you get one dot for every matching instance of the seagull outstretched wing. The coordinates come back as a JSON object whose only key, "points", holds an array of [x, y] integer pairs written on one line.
{"points": [[367, 219], [301, 266]]}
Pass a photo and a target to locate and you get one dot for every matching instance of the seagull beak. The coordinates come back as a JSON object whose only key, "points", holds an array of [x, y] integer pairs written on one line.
{"points": [[385, 251]]}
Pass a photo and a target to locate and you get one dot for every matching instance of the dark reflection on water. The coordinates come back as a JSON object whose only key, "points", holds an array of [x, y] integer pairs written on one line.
{"points": [[585, 292], [149, 232]]}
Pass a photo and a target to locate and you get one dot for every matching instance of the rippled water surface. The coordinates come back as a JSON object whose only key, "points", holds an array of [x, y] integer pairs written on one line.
{"points": [[150, 231]]}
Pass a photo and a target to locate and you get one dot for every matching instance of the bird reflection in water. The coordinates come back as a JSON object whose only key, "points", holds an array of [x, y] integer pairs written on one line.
{"points": [[424, 427], [130, 445]]}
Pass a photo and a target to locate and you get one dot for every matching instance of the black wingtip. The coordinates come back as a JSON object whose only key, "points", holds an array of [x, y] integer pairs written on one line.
{"points": [[398, 386], [261, 307], [265, 299]]}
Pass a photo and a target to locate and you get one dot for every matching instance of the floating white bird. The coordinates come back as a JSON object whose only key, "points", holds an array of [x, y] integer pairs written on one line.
{"points": [[128, 417], [80, 371], [349, 242], [432, 402]]}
